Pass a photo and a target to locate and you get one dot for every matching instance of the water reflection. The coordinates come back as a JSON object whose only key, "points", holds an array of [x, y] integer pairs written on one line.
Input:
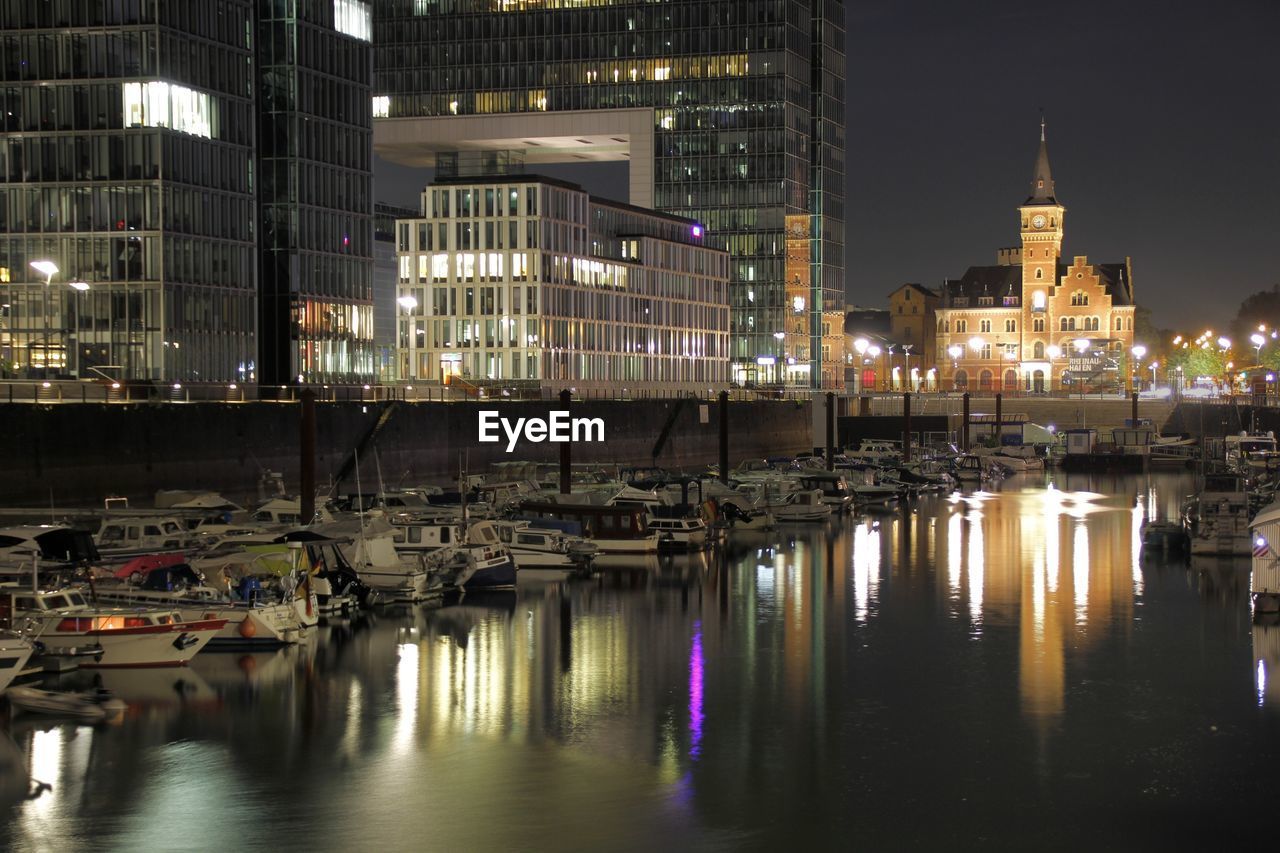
{"points": [[997, 647]]}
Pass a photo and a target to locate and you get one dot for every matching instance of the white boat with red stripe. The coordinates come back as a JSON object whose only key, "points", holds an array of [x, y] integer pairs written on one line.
{"points": [[64, 622]]}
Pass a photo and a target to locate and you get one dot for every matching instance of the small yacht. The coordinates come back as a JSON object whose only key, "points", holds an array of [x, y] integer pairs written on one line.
{"points": [[803, 505], [252, 617], [615, 529], [1218, 517], [835, 489], [683, 533], [129, 537], [63, 621], [544, 547]]}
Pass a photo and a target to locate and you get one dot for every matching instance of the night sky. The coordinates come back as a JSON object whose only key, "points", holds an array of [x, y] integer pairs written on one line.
{"points": [[1164, 135]]}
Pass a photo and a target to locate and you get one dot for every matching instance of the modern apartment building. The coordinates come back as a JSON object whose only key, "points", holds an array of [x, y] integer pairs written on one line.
{"points": [[728, 114], [193, 180], [518, 281]]}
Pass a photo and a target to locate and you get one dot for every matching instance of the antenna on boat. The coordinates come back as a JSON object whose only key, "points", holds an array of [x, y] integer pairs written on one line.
{"points": [[359, 500], [377, 464]]}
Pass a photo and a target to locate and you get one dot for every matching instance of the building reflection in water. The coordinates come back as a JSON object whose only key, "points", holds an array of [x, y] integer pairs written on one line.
{"points": [[661, 681]]}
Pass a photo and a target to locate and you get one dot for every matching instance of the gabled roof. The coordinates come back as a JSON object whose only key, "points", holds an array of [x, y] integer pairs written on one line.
{"points": [[1001, 281], [919, 288]]}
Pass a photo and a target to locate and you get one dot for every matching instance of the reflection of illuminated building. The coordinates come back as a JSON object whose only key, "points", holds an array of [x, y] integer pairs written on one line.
{"points": [[1266, 662]]}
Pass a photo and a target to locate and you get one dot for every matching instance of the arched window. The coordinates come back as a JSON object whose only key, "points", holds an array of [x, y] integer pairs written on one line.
{"points": [[984, 380], [1037, 351], [1037, 325], [1079, 298], [1119, 324], [962, 326], [984, 325], [1128, 324], [1062, 324], [1010, 325], [1037, 382], [1011, 380], [962, 379]]}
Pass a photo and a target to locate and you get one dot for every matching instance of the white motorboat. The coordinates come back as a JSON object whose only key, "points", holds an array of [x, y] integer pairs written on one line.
{"points": [[802, 505], [64, 622], [686, 533], [91, 706], [134, 536], [835, 489], [15, 651], [1218, 517], [253, 617], [544, 547]]}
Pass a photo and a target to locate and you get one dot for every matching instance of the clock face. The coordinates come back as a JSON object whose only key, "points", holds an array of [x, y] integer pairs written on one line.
{"points": [[1038, 221]]}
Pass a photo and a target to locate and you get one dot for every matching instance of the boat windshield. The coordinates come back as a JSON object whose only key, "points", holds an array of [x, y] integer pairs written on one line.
{"points": [[77, 600]]}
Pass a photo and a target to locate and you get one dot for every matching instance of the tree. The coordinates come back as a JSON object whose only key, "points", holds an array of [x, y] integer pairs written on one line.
{"points": [[1205, 362], [1262, 307]]}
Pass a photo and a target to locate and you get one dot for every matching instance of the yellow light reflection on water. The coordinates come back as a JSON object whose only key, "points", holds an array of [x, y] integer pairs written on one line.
{"points": [[866, 569]]}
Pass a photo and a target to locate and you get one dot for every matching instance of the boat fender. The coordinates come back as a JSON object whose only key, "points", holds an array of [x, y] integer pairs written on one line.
{"points": [[247, 628]]}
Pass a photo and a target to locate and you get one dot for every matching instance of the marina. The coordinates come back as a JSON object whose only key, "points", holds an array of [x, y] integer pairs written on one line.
{"points": [[710, 697]]}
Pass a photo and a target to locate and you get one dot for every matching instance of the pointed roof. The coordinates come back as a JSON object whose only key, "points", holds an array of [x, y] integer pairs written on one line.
{"points": [[1042, 180]]}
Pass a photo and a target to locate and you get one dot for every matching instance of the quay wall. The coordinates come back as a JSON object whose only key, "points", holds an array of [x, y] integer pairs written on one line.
{"points": [[78, 454], [1216, 420]]}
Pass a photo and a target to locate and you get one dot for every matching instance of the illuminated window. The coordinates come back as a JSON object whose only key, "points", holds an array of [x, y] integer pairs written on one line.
{"points": [[381, 106], [354, 18], [160, 104]]}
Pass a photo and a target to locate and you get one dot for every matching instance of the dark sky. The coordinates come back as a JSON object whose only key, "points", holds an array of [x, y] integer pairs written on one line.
{"points": [[1164, 136]]}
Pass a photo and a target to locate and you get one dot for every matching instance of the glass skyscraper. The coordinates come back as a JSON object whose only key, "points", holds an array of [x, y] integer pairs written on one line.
{"points": [[730, 114], [315, 66], [198, 174]]}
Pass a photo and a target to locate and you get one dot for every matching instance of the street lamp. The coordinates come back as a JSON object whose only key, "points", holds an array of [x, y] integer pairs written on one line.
{"points": [[1258, 341], [1138, 352], [1154, 365], [79, 287], [955, 351], [48, 269], [1054, 352], [408, 302]]}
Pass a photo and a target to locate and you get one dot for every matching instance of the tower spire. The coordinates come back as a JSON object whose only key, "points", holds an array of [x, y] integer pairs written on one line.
{"points": [[1042, 181]]}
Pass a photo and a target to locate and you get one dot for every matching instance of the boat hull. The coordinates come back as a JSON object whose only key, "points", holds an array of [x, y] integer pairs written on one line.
{"points": [[174, 644], [497, 574], [14, 654]]}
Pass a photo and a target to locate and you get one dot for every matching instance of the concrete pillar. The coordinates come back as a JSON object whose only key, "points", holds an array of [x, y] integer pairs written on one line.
{"points": [[724, 436], [831, 431], [906, 427]]}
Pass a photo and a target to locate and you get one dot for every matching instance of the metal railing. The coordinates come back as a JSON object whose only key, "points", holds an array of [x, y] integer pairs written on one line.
{"points": [[40, 392]]}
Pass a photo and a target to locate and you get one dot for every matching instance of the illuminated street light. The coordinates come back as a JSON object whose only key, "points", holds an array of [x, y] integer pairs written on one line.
{"points": [[976, 343], [1081, 344], [861, 345], [1053, 351]]}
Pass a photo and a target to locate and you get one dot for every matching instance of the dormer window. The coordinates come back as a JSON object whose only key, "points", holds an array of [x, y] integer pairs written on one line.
{"points": [[986, 300]]}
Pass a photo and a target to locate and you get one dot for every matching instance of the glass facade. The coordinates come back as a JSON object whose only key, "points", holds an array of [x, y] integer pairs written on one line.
{"points": [[747, 107], [315, 118], [205, 169], [126, 148], [519, 280]]}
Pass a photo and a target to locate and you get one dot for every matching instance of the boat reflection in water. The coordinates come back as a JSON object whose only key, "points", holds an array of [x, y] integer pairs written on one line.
{"points": [[1009, 657]]}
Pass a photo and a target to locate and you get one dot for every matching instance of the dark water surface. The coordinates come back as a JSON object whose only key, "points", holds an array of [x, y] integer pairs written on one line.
{"points": [[999, 670]]}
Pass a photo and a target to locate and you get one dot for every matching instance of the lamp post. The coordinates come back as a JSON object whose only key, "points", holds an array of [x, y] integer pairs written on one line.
{"points": [[860, 346], [79, 287], [874, 352], [1138, 352], [1258, 340], [1054, 352], [48, 269], [906, 365], [779, 368], [888, 352], [1154, 365], [408, 302]]}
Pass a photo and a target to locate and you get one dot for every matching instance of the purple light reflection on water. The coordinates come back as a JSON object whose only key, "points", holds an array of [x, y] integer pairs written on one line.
{"points": [[695, 692]]}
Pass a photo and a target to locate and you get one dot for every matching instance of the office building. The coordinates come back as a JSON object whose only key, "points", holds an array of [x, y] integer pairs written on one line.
{"points": [[729, 114], [169, 163], [518, 282]]}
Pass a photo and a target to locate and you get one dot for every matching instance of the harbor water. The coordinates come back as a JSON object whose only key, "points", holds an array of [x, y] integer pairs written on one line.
{"points": [[1002, 669]]}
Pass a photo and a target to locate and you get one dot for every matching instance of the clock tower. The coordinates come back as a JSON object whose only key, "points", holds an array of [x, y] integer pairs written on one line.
{"points": [[1041, 220]]}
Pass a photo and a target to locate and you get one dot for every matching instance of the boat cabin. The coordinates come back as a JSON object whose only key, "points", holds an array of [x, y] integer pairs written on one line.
{"points": [[158, 533], [52, 542], [608, 522]]}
